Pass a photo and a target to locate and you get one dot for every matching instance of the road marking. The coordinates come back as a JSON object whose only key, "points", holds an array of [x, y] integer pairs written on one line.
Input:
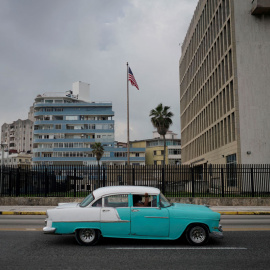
{"points": [[181, 248]]}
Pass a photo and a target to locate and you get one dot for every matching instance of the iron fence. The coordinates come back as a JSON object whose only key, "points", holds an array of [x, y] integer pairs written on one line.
{"points": [[173, 181]]}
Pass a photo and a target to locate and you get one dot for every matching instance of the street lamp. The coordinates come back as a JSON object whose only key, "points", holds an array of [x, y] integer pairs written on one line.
{"points": [[3, 145]]}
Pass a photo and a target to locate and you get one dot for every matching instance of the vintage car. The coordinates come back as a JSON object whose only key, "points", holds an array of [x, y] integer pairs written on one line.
{"points": [[132, 212]]}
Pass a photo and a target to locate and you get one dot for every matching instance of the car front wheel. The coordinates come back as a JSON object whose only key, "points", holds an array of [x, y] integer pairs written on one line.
{"points": [[197, 235], [87, 237]]}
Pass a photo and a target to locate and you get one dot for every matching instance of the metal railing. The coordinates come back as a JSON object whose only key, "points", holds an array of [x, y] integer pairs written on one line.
{"points": [[173, 181]]}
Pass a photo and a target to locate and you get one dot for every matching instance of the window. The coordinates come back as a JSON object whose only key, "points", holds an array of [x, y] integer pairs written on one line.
{"points": [[87, 200], [120, 200], [163, 201], [120, 154], [155, 153], [140, 199], [57, 117], [174, 151], [70, 117], [98, 203], [57, 126]]}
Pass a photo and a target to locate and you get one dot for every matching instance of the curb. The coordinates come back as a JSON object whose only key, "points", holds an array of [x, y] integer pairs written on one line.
{"points": [[244, 212], [22, 213]]}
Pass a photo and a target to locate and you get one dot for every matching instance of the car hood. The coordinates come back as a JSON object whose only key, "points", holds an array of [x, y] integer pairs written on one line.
{"points": [[193, 207], [189, 210]]}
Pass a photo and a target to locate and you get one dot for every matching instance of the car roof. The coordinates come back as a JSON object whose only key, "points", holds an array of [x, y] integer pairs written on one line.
{"points": [[125, 189]]}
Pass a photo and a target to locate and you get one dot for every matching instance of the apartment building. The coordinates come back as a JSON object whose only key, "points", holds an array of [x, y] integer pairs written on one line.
{"points": [[224, 88], [154, 149], [68, 123], [18, 136]]}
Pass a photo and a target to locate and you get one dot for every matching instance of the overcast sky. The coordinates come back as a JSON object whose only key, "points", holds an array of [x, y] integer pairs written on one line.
{"points": [[46, 45]]}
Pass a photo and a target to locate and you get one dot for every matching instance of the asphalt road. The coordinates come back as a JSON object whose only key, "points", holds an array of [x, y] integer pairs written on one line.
{"points": [[245, 245], [35, 250]]}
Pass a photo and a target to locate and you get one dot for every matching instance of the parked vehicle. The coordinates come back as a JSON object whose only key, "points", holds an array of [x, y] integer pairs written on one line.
{"points": [[132, 212]]}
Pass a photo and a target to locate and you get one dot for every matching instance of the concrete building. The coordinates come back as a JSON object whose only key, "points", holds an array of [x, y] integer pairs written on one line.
{"points": [[154, 149], [224, 83], [67, 124], [18, 159], [18, 135]]}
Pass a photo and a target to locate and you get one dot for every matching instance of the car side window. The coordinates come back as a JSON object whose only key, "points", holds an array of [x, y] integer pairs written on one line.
{"points": [[120, 200], [139, 200], [98, 203]]}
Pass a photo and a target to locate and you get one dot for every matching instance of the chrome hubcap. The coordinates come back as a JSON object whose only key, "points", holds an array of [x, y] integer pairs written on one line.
{"points": [[87, 235], [197, 234]]}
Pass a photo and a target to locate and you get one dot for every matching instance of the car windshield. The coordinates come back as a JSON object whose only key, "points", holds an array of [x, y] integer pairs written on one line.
{"points": [[163, 201], [87, 200]]}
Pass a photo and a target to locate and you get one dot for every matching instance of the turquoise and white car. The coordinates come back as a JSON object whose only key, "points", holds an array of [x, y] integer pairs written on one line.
{"points": [[132, 212]]}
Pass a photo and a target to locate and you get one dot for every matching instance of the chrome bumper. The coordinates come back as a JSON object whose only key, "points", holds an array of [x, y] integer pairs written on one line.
{"points": [[218, 234], [48, 230]]}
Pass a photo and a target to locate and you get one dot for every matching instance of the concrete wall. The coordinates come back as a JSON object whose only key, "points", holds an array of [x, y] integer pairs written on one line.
{"points": [[252, 38], [53, 201]]}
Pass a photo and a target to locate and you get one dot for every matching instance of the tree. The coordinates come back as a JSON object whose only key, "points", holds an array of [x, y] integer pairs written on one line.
{"points": [[98, 152], [161, 120]]}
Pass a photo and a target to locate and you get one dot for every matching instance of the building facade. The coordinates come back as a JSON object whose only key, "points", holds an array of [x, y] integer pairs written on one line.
{"points": [[154, 149], [18, 159], [18, 136], [224, 88], [68, 124]]}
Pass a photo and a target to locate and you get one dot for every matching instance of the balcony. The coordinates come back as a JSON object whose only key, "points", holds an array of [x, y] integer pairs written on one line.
{"points": [[260, 7]]}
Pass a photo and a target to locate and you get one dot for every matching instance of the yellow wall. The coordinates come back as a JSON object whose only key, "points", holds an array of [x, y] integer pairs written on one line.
{"points": [[149, 153], [139, 144], [150, 158]]}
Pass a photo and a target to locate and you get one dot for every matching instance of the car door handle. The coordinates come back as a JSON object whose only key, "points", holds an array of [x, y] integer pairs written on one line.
{"points": [[106, 210], [135, 210]]}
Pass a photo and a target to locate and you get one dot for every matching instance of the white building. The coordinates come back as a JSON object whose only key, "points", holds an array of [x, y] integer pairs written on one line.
{"points": [[18, 135]]}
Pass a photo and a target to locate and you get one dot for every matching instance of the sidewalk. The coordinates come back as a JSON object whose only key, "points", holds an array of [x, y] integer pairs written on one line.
{"points": [[224, 210]]}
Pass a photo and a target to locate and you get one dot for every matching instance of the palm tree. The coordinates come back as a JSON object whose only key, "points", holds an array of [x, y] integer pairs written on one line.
{"points": [[98, 151], [161, 119]]}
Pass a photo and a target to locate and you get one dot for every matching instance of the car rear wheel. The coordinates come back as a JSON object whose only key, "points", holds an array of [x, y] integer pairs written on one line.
{"points": [[197, 235], [87, 237]]}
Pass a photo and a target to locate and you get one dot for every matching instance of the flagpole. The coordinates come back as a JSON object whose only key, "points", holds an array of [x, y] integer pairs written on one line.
{"points": [[128, 161]]}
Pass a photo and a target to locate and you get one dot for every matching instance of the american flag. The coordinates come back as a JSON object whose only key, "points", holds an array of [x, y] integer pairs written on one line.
{"points": [[131, 78]]}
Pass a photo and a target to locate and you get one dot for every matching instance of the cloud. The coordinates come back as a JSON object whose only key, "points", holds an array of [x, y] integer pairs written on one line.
{"points": [[47, 45]]}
